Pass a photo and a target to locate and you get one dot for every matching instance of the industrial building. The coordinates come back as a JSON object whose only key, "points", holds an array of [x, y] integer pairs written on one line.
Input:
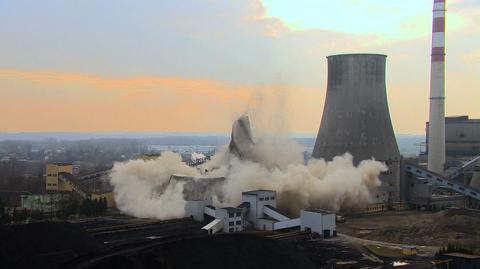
{"points": [[53, 182], [258, 211], [318, 221], [62, 184], [462, 136], [356, 119]]}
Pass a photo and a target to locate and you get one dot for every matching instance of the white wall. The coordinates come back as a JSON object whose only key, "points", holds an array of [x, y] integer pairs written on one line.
{"points": [[223, 214], [196, 209], [329, 223], [252, 212], [286, 224], [317, 221], [265, 224], [312, 221], [258, 199]]}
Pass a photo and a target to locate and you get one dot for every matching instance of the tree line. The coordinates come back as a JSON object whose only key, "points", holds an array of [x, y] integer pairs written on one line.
{"points": [[67, 208]]}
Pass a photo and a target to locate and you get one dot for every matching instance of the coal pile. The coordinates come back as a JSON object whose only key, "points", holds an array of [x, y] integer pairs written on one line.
{"points": [[44, 245], [223, 251]]}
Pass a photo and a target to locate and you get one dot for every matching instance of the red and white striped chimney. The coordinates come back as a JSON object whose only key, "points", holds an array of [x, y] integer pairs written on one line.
{"points": [[436, 126]]}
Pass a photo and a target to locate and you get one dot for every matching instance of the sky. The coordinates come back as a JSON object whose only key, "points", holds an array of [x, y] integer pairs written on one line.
{"points": [[196, 65]]}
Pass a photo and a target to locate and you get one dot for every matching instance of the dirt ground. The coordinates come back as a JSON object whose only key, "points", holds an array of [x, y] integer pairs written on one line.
{"points": [[458, 226]]}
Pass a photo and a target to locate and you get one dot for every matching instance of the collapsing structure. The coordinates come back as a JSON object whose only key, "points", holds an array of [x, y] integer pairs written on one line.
{"points": [[356, 117], [241, 143]]}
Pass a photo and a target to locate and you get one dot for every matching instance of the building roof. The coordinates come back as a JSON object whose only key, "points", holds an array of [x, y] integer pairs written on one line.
{"points": [[461, 255], [229, 208], [12, 198], [268, 219], [256, 192], [61, 163], [461, 119], [212, 224], [316, 210], [244, 204]]}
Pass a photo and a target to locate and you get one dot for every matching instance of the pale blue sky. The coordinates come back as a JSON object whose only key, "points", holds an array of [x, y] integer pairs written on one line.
{"points": [[237, 44]]}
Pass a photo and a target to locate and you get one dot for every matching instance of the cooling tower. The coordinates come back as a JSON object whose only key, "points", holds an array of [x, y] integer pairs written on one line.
{"points": [[356, 118], [241, 143]]}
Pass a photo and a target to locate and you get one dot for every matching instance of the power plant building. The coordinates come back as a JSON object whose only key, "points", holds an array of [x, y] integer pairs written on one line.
{"points": [[462, 136], [258, 211], [356, 118]]}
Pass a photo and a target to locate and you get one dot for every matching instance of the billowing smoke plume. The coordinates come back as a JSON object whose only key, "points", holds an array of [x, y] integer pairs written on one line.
{"points": [[145, 188]]}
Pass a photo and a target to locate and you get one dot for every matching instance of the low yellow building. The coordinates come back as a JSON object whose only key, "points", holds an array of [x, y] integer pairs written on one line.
{"points": [[109, 196], [52, 182], [372, 208], [409, 250], [380, 207]]}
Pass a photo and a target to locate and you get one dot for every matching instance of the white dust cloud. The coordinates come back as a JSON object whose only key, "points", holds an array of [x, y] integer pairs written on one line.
{"points": [[142, 188], [275, 162]]}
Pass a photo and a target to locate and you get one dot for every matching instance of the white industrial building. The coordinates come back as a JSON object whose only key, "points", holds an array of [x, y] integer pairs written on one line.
{"points": [[318, 221], [258, 211]]}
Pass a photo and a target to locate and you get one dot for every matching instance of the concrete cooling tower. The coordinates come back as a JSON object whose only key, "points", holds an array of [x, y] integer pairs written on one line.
{"points": [[241, 143], [356, 118]]}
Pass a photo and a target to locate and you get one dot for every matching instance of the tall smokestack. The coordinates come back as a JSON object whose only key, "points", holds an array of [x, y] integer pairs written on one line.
{"points": [[436, 123], [356, 118]]}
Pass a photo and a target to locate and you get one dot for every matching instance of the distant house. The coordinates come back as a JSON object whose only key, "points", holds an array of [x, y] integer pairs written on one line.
{"points": [[12, 199]]}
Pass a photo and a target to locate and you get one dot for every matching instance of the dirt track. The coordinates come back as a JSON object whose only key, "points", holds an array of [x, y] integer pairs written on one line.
{"points": [[417, 228]]}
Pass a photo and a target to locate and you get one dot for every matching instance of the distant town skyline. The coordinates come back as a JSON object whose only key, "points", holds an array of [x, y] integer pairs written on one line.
{"points": [[194, 66]]}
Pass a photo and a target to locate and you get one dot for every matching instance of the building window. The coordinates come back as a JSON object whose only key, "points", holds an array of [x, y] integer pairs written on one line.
{"points": [[238, 214], [231, 223], [261, 199], [231, 215], [266, 198], [231, 230], [239, 222]]}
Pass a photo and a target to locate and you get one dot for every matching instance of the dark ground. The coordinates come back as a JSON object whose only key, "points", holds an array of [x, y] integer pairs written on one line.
{"points": [[44, 244], [451, 226], [133, 243], [223, 251]]}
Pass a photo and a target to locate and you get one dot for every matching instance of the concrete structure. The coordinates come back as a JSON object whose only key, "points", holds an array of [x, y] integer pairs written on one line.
{"points": [[12, 199], [241, 143], [462, 136], [227, 219], [231, 217], [356, 118], [436, 128], [108, 196], [196, 209], [462, 260], [214, 226], [257, 200], [49, 203], [475, 182], [318, 221], [52, 179], [60, 179], [257, 211], [435, 180], [409, 250]]}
